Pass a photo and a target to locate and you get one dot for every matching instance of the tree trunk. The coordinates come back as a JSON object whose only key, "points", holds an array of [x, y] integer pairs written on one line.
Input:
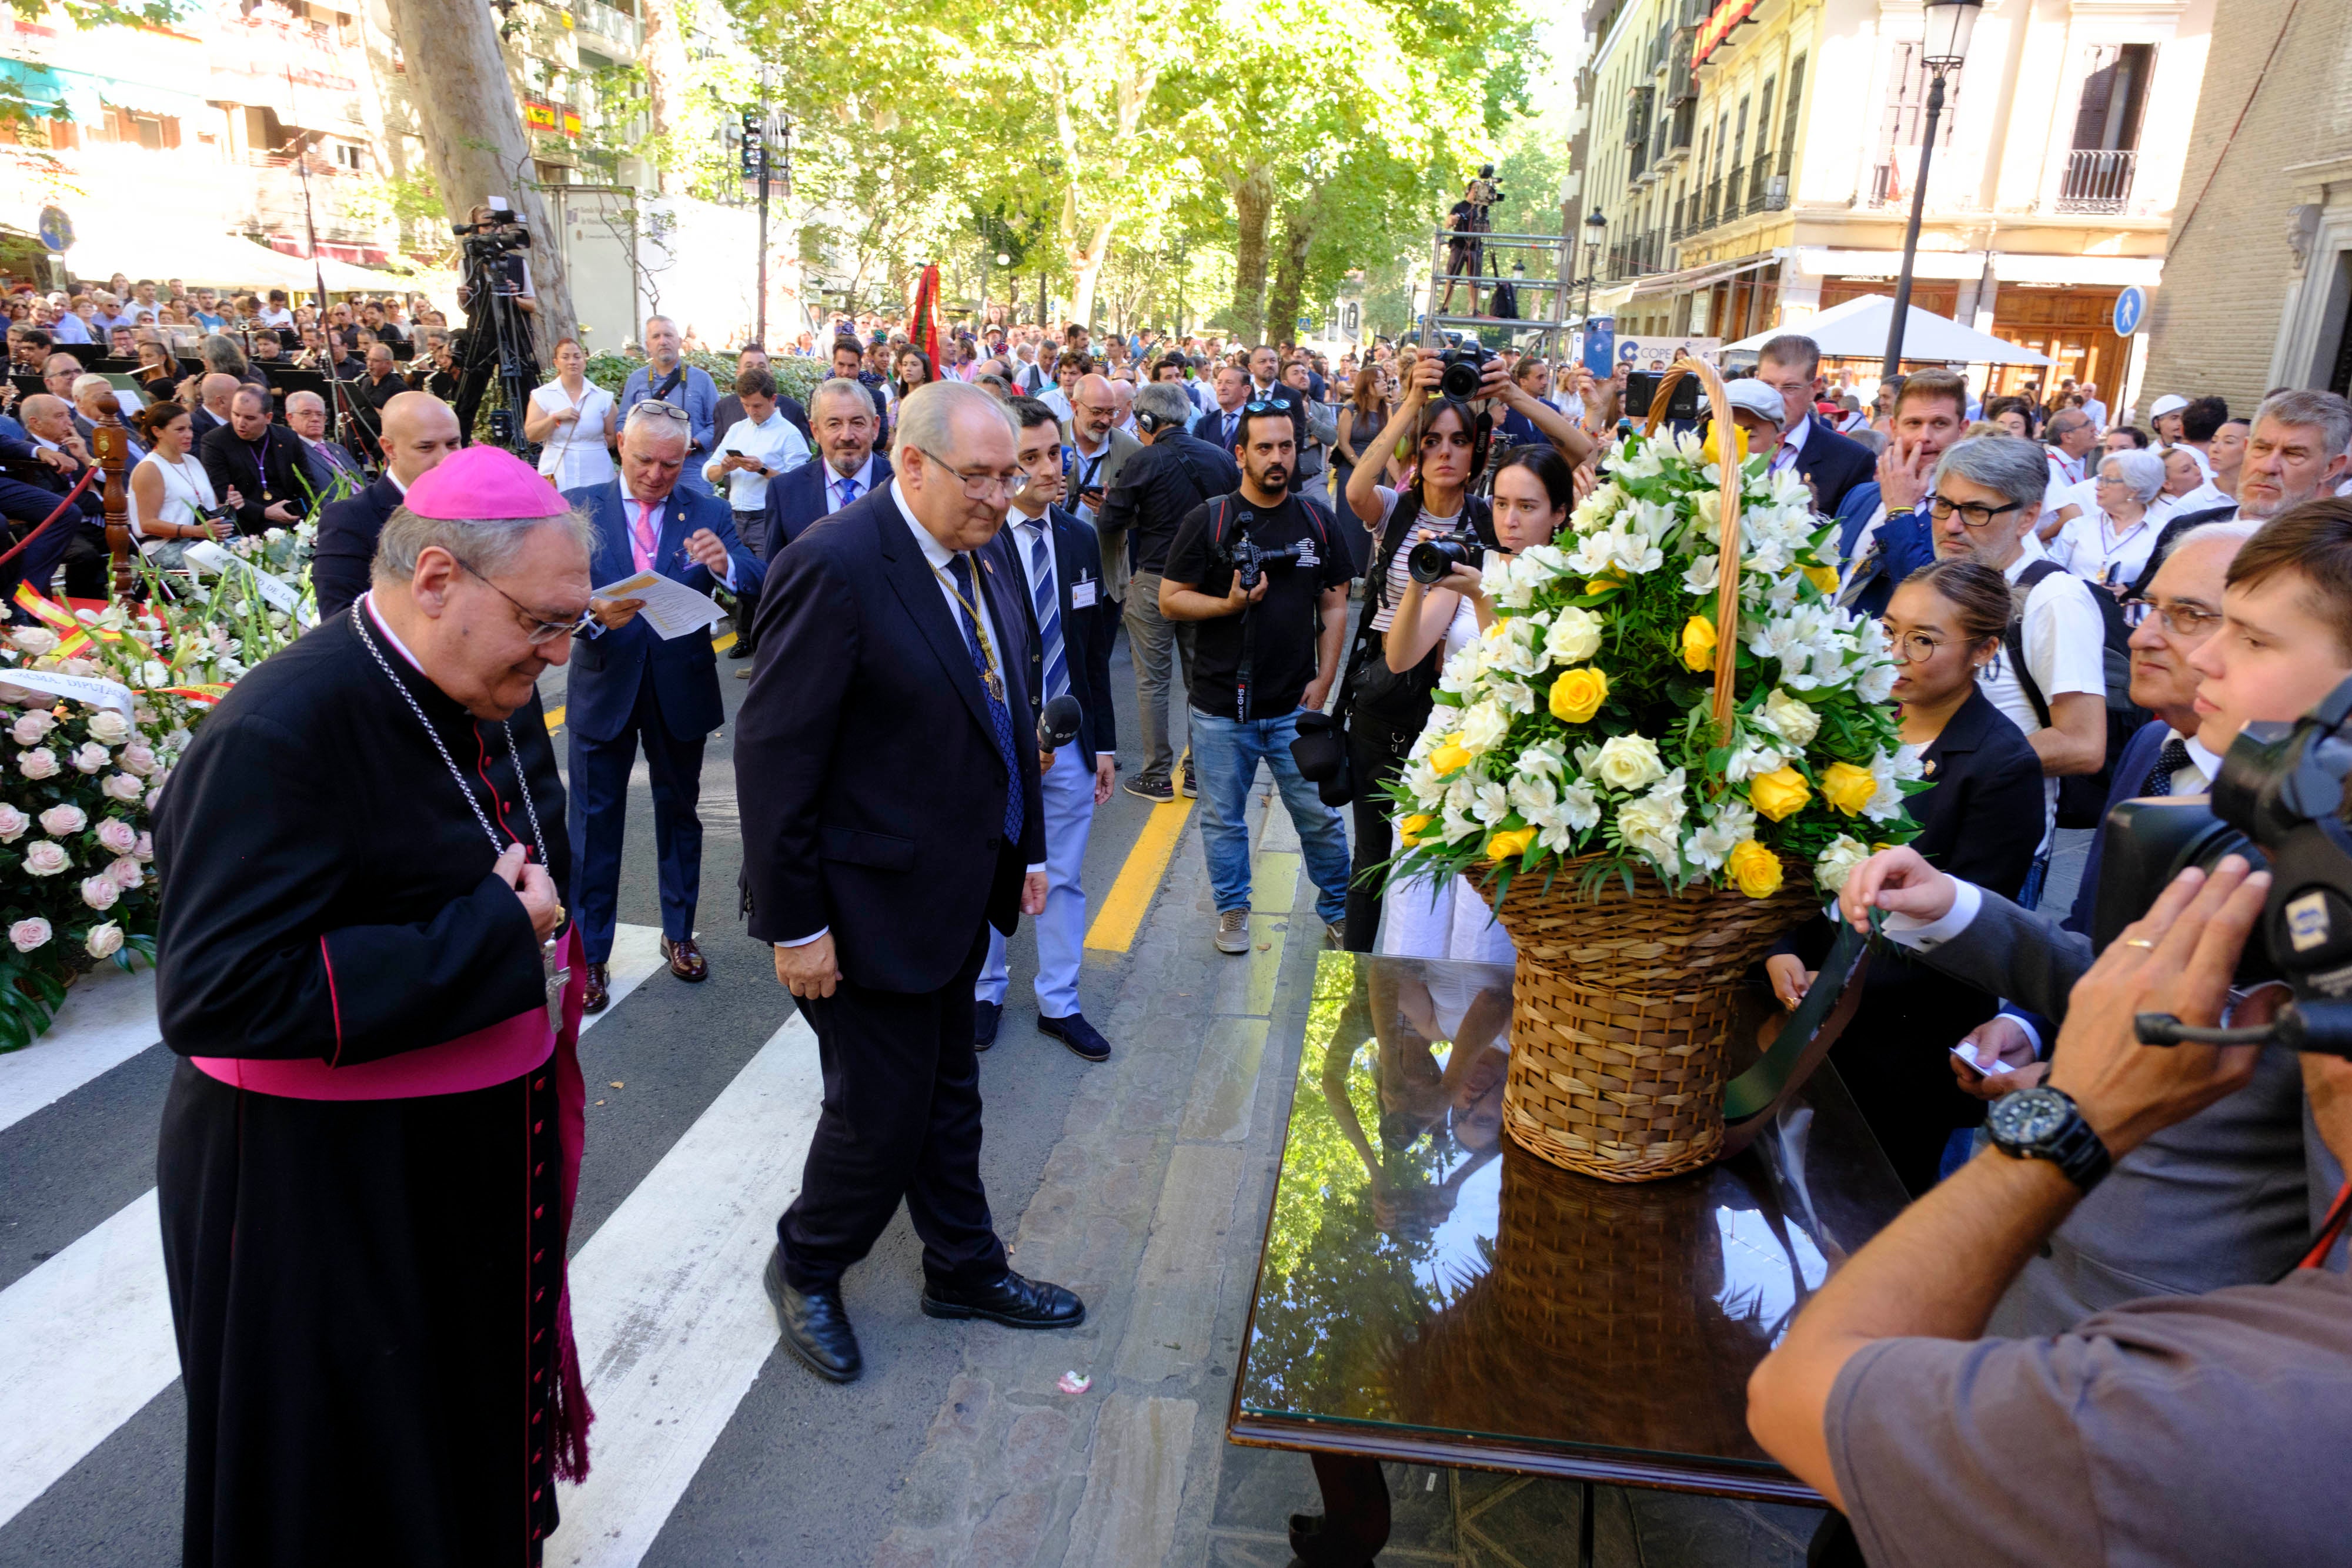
{"points": [[664, 57], [1253, 208], [1087, 266], [474, 138], [1290, 272]]}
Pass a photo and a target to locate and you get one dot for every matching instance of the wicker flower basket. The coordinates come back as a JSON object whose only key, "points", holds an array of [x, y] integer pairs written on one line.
{"points": [[1624, 1001]]}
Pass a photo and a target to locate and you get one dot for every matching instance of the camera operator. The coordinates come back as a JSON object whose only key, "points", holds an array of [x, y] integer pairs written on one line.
{"points": [[2203, 1430], [1386, 710], [495, 243], [1172, 473], [1262, 650], [2224, 1197]]}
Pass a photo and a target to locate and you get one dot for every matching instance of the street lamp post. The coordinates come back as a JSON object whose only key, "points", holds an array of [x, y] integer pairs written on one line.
{"points": [[1596, 228], [1949, 23]]}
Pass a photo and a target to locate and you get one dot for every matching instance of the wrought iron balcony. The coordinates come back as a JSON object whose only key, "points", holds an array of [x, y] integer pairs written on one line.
{"points": [[2097, 180]]}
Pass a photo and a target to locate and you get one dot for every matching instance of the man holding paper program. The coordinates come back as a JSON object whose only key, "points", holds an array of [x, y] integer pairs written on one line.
{"points": [[643, 672]]}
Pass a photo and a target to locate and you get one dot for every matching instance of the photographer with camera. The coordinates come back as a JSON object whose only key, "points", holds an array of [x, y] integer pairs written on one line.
{"points": [[1267, 585], [1437, 422], [2224, 1197], [2203, 1430], [496, 346]]}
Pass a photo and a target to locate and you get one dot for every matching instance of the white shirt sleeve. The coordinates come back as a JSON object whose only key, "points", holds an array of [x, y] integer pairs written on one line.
{"points": [[1908, 931], [2065, 640]]}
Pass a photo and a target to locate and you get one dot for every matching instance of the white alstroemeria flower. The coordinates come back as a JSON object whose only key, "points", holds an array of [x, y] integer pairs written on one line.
{"points": [[1532, 794], [1885, 802], [1541, 759], [1644, 462], [1542, 563], [1459, 676], [1493, 802], [1752, 759], [1598, 507], [1453, 826], [1835, 863], [1790, 720], [1652, 825], [1517, 697], [1484, 723], [1421, 779], [1461, 793], [1875, 684], [1578, 804], [1701, 575]]}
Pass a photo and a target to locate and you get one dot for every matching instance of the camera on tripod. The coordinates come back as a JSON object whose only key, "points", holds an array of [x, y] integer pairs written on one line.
{"points": [[1431, 561], [493, 237], [2279, 802], [1465, 367]]}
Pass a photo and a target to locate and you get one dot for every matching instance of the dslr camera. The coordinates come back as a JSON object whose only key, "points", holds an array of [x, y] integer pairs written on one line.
{"points": [[1250, 559], [2280, 803], [1430, 560], [1465, 367]]}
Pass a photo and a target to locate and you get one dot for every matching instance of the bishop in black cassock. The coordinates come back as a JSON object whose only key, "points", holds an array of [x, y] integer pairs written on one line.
{"points": [[370, 1145]]}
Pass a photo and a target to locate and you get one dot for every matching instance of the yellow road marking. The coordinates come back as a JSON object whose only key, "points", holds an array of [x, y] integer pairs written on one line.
{"points": [[1123, 908], [717, 645]]}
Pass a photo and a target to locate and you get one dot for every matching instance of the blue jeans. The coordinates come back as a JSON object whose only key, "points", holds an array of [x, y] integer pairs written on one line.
{"points": [[1225, 755]]}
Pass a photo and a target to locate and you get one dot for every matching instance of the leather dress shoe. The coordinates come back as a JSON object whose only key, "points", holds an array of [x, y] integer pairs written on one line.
{"points": [[741, 648], [600, 989], [985, 1019], [1083, 1039], [685, 959], [1015, 1302], [815, 1328]]}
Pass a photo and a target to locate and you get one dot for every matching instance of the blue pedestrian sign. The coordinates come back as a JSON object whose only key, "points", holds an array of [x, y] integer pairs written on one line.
{"points": [[57, 229], [2131, 309]]}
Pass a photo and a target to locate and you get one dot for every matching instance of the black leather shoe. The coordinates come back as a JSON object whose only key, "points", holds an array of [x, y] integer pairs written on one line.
{"points": [[742, 648], [1083, 1039], [985, 1019], [815, 1328], [1015, 1302], [599, 989]]}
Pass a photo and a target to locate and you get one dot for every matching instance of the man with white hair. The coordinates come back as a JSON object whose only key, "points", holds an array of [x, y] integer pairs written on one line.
{"points": [[329, 461], [2299, 447], [634, 688]]}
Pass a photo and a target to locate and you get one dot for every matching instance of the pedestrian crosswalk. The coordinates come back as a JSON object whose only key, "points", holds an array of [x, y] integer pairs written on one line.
{"points": [[672, 1323]]}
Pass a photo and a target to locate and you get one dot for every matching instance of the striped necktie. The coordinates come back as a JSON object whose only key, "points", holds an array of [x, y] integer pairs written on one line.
{"points": [[1047, 599]]}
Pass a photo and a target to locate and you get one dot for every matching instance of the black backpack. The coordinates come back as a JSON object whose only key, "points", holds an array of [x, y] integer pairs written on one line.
{"points": [[2081, 796], [1503, 301]]}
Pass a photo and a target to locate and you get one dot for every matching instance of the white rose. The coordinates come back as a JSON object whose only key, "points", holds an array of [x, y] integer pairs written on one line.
{"points": [[46, 857], [127, 873], [38, 763], [1485, 724], [28, 935], [59, 820], [109, 726], [1650, 824], [1629, 761], [123, 787], [117, 836], [1574, 637], [14, 824], [104, 941], [100, 891], [1835, 863], [138, 758], [29, 727], [33, 640], [91, 758], [1790, 720]]}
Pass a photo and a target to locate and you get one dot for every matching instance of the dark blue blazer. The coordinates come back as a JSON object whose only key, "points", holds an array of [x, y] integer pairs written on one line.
{"points": [[1834, 465], [608, 669], [1085, 632], [345, 547], [1907, 545], [798, 500], [867, 768], [1211, 427]]}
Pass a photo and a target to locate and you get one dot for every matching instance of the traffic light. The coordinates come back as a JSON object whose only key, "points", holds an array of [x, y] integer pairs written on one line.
{"points": [[755, 151]]}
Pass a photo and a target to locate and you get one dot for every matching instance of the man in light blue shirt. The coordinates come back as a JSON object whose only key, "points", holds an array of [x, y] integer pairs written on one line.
{"points": [[670, 379]]}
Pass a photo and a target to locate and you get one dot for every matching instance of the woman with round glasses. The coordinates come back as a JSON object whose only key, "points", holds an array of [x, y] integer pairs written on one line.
{"points": [[1979, 818], [2109, 540]]}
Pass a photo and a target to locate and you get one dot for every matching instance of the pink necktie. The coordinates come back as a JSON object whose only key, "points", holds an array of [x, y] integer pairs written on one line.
{"points": [[641, 535]]}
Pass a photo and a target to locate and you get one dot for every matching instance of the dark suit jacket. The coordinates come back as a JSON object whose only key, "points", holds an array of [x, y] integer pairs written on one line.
{"points": [[2171, 535], [871, 787], [1086, 629], [2131, 770], [328, 459], [1210, 427], [1904, 545], [1833, 464], [608, 669], [202, 423], [1982, 819], [345, 547], [730, 409], [281, 475], [798, 500]]}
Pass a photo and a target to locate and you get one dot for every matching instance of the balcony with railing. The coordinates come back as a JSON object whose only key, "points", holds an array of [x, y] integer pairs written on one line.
{"points": [[611, 23], [2097, 180]]}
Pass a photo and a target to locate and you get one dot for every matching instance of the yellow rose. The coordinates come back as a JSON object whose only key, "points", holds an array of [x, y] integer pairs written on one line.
{"points": [[1450, 756], [1698, 644], [1740, 441], [1411, 829], [1755, 870], [1780, 794], [1847, 787], [1577, 695], [1824, 578], [1510, 845]]}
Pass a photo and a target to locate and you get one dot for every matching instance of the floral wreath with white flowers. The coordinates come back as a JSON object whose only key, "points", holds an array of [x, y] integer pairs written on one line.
{"points": [[1581, 724]]}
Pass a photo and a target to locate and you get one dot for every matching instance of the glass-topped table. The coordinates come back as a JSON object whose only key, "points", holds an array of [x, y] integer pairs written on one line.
{"points": [[1430, 1291]]}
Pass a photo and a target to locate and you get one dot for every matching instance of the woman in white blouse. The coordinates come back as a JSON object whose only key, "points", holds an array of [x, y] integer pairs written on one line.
{"points": [[2109, 543], [169, 488], [574, 422]]}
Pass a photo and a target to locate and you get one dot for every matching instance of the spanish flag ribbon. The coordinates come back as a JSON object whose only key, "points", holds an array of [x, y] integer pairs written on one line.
{"points": [[72, 635]]}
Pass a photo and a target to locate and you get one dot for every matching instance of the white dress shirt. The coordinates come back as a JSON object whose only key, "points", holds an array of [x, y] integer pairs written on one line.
{"points": [[778, 446], [1027, 531], [862, 480]]}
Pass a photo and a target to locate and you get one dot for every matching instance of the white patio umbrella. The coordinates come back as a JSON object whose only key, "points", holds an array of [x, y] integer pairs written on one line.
{"points": [[1857, 330]]}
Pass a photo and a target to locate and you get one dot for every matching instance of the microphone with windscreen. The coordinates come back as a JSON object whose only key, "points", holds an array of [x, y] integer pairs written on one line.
{"points": [[1058, 725]]}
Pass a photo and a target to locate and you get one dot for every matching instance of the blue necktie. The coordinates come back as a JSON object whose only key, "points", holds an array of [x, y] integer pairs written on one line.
{"points": [[848, 491], [1000, 719], [1049, 609], [2169, 761]]}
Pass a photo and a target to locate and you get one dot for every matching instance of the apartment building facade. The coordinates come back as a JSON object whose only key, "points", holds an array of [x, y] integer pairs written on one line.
{"points": [[1756, 161]]}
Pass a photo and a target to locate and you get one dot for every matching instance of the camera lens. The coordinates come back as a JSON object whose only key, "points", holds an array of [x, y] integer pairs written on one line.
{"points": [[1460, 380], [1430, 560]]}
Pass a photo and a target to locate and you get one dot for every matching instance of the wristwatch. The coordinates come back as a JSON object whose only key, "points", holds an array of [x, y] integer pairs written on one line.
{"points": [[2045, 1124]]}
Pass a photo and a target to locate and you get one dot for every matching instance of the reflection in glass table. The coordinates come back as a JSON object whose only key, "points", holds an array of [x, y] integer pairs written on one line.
{"points": [[1430, 1291]]}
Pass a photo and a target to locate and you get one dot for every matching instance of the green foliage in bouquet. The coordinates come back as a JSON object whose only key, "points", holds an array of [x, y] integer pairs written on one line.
{"points": [[1582, 724]]}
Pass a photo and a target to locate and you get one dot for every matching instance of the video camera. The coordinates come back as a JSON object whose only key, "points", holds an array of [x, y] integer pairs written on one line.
{"points": [[2280, 803], [1642, 390]]}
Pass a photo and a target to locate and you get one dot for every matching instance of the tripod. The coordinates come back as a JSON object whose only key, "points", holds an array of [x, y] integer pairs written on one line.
{"points": [[494, 351]]}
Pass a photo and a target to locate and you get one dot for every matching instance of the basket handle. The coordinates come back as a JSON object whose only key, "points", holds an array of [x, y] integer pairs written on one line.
{"points": [[1727, 589]]}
